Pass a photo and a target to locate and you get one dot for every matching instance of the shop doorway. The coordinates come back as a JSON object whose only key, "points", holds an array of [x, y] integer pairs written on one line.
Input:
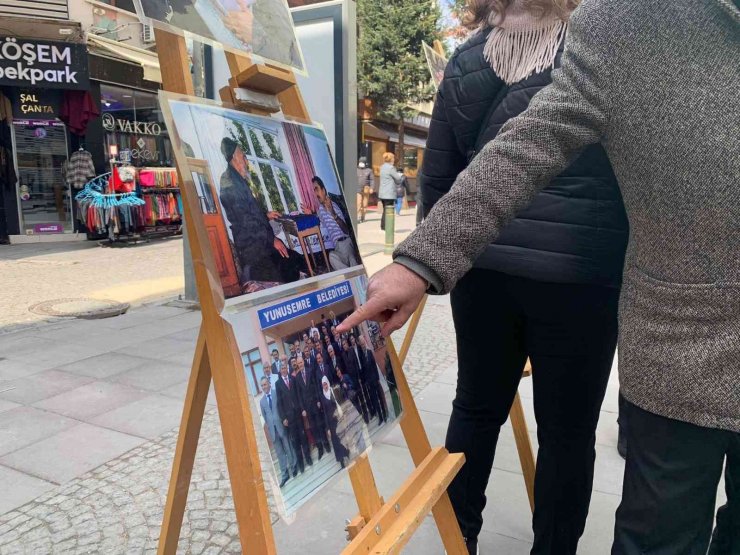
{"points": [[44, 197]]}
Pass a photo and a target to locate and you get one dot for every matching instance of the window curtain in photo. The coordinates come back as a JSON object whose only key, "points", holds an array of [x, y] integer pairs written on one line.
{"points": [[302, 163]]}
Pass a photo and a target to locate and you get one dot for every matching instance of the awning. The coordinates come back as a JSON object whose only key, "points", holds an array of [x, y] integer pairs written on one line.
{"points": [[146, 59], [408, 139], [369, 131]]}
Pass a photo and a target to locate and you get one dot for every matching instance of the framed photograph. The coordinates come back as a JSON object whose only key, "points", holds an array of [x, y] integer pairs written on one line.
{"points": [[269, 196], [437, 63], [320, 398], [262, 28]]}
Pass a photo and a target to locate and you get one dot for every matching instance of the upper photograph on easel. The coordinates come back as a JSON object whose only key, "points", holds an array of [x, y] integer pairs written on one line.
{"points": [[269, 196], [260, 27]]}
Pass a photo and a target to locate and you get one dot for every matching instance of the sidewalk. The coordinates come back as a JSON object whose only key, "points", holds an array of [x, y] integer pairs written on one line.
{"points": [[88, 419]]}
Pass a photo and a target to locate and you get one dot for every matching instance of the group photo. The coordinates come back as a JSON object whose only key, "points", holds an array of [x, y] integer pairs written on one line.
{"points": [[322, 397], [270, 197]]}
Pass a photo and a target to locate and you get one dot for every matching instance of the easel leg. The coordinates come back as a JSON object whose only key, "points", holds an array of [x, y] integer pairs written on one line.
{"points": [[419, 446], [523, 446], [187, 444]]}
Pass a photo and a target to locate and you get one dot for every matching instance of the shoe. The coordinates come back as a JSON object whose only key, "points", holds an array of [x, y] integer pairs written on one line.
{"points": [[310, 462], [295, 471], [303, 469], [285, 480], [321, 452], [327, 448], [472, 545], [342, 463], [622, 443]]}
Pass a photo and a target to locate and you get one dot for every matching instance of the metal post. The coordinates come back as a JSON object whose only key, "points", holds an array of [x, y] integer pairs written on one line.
{"points": [[390, 228]]}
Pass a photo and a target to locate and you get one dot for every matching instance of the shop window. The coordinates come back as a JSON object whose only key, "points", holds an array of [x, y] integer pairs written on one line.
{"points": [[411, 159], [253, 369], [132, 121], [271, 183]]}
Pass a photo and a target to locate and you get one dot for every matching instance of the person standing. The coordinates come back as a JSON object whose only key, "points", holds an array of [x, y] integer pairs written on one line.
{"points": [[330, 407], [656, 84], [390, 178], [401, 190], [365, 180], [311, 407], [547, 289], [277, 431], [371, 378], [289, 412]]}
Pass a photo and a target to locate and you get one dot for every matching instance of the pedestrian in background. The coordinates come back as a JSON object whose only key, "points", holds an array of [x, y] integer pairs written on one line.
{"points": [[390, 178], [401, 190], [364, 187], [548, 287], [656, 84]]}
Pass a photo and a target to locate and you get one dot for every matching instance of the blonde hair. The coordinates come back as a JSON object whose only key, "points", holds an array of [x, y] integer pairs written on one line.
{"points": [[478, 12], [389, 157]]}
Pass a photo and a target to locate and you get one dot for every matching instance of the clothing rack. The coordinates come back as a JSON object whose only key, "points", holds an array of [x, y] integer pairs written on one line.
{"points": [[131, 217]]}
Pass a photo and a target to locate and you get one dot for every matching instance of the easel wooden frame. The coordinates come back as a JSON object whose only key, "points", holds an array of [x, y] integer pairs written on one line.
{"points": [[380, 527]]}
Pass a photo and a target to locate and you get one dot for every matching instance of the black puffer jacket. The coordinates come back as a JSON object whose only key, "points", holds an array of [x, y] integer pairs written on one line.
{"points": [[576, 229]]}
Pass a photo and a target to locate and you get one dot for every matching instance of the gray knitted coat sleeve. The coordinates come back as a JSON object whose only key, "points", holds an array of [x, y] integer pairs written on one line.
{"points": [[530, 150]]}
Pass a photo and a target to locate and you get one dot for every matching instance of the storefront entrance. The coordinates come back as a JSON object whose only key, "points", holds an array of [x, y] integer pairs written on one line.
{"points": [[44, 198]]}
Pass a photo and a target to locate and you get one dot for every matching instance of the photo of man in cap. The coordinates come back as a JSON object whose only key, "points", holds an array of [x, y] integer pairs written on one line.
{"points": [[261, 255]]}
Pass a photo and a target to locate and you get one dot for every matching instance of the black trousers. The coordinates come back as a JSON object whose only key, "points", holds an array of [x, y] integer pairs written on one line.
{"points": [[569, 331], [670, 488], [384, 202], [300, 441]]}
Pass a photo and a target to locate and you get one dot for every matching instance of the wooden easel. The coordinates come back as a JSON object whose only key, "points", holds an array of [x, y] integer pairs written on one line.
{"points": [[380, 527]]}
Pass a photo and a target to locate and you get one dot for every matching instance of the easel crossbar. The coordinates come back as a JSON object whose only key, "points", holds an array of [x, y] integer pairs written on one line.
{"points": [[394, 524]]}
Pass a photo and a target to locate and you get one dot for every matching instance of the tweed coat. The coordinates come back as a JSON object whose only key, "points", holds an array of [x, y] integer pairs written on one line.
{"points": [[656, 82]]}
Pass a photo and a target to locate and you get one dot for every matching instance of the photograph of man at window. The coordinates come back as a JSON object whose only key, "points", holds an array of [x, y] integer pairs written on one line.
{"points": [[261, 255], [335, 227]]}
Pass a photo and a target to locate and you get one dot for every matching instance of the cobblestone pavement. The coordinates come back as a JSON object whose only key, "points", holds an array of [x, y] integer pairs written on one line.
{"points": [[32, 273], [118, 507]]}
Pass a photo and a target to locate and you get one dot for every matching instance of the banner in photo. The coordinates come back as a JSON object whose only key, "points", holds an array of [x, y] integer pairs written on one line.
{"points": [[269, 196], [260, 27]]}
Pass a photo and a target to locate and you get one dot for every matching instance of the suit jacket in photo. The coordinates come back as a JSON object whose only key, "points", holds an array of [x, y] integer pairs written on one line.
{"points": [[327, 371], [355, 353], [287, 402], [370, 370], [274, 423], [305, 392], [275, 367], [350, 364]]}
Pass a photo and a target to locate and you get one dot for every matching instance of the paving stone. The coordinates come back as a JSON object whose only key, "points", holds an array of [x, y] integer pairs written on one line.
{"points": [[40, 386], [91, 400], [71, 453], [26, 425], [149, 417]]}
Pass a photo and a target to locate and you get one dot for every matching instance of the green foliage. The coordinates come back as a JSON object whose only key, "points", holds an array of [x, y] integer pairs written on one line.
{"points": [[272, 188], [392, 69], [275, 152], [287, 187], [258, 150], [239, 134]]}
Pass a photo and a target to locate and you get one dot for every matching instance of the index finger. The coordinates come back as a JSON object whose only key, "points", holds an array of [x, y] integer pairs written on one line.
{"points": [[371, 310]]}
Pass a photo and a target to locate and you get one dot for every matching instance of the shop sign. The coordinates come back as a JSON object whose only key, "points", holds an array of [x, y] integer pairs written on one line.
{"points": [[48, 228], [42, 63], [298, 306], [119, 125], [36, 104]]}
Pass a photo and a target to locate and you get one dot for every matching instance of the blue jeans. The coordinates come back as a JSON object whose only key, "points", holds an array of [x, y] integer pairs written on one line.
{"points": [[399, 204]]}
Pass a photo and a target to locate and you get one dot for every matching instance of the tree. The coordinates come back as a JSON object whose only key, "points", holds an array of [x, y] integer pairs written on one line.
{"points": [[455, 32], [392, 69]]}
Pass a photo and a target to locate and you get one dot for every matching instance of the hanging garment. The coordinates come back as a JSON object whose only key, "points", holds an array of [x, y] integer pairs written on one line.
{"points": [[80, 169], [78, 110]]}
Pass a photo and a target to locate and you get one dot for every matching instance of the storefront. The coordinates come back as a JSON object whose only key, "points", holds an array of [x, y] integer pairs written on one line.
{"points": [[39, 136], [39, 75]]}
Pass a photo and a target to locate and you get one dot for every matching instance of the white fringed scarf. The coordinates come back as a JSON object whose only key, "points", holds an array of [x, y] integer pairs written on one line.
{"points": [[522, 44]]}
